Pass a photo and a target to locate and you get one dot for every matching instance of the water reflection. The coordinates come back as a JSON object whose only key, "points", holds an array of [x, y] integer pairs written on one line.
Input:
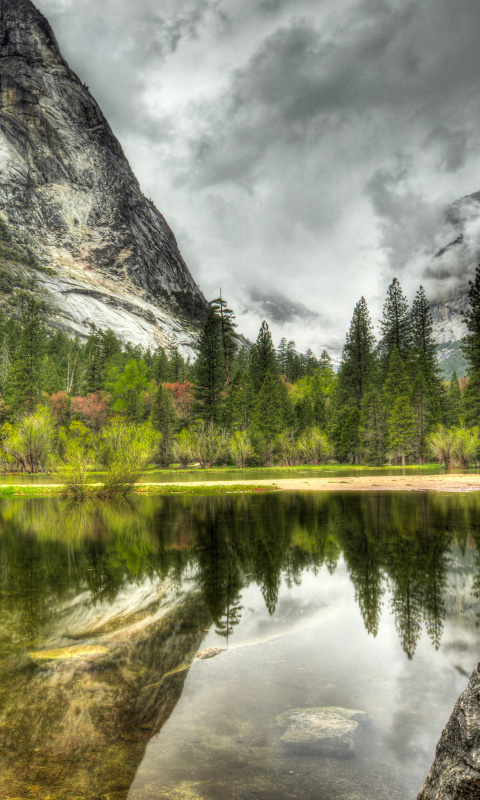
{"points": [[145, 581]]}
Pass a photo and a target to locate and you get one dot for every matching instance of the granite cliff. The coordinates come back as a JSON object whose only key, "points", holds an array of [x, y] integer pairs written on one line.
{"points": [[68, 195]]}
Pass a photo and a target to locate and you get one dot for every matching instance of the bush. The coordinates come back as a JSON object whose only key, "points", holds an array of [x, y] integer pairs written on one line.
{"points": [[73, 471], [31, 446], [441, 444], [182, 448], [466, 445], [208, 444], [125, 451], [240, 449], [286, 451], [314, 447]]}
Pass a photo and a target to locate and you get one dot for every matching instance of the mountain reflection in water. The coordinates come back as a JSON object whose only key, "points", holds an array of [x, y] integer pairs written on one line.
{"points": [[142, 582]]}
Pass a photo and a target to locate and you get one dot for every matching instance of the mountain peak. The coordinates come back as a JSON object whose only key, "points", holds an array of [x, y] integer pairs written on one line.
{"points": [[68, 192], [25, 33]]}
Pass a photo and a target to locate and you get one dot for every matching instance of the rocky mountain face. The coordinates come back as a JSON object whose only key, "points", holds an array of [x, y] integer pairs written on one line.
{"points": [[68, 194]]}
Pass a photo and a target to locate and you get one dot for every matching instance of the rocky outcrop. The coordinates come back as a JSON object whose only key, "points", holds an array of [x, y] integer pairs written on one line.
{"points": [[68, 190], [455, 774], [330, 730]]}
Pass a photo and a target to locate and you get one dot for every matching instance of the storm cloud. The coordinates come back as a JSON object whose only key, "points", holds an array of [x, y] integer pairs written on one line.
{"points": [[312, 147]]}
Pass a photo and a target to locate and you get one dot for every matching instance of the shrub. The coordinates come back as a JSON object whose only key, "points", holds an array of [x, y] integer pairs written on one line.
{"points": [[441, 442], [182, 448], [466, 445], [31, 445], [72, 472], [208, 444], [125, 451], [240, 449], [314, 447], [286, 451]]}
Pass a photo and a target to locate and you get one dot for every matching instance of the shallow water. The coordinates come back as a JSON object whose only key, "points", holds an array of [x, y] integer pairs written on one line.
{"points": [[367, 602], [234, 475]]}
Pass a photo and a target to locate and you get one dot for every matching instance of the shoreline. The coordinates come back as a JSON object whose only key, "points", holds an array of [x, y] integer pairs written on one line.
{"points": [[444, 483]]}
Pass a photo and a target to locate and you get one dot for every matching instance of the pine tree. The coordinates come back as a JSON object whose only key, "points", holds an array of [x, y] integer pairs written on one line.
{"points": [[454, 402], [422, 331], [262, 357], [163, 416], [282, 356], [396, 382], [349, 447], [401, 428], [471, 351], [210, 376], [373, 427], [358, 361], [23, 382], [272, 412], [227, 330], [395, 326]]}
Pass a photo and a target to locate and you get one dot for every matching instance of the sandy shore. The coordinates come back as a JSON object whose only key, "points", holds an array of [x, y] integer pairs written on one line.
{"points": [[362, 483]]}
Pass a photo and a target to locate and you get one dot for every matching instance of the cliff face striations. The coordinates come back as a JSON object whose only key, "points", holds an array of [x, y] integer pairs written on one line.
{"points": [[68, 190]]}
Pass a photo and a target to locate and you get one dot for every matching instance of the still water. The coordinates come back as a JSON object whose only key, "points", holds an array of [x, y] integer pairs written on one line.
{"points": [[366, 602]]}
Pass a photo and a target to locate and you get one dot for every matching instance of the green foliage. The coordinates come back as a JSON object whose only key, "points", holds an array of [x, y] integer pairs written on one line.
{"points": [[182, 447], [373, 427], [356, 371], [395, 326], [454, 402], [125, 451], [30, 446], [441, 443], [210, 375], [314, 447], [272, 414], [401, 428], [240, 449], [23, 381], [162, 419], [127, 390], [262, 358], [72, 470], [208, 444]]}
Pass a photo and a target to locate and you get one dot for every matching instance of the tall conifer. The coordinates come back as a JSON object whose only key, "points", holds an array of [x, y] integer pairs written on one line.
{"points": [[395, 327], [210, 376], [262, 357]]}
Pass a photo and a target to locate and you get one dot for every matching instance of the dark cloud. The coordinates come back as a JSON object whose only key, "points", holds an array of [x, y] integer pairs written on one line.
{"points": [[294, 142]]}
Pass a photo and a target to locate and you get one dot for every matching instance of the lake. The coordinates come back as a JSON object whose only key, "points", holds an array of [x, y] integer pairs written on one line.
{"points": [[361, 602]]}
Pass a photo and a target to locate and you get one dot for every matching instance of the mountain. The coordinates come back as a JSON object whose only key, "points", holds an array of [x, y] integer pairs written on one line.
{"points": [[452, 266], [103, 253]]}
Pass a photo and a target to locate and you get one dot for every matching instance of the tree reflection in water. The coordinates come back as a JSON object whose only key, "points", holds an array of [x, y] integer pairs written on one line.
{"points": [[147, 578]]}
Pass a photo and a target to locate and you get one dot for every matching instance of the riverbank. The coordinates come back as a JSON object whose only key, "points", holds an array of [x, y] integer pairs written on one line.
{"points": [[446, 482]]}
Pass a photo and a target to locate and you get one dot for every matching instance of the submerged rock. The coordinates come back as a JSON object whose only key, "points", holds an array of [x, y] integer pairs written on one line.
{"points": [[210, 652], [455, 773], [330, 730], [86, 652]]}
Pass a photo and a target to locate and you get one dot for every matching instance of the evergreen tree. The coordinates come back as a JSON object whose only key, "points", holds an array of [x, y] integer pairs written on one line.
{"points": [[395, 327], [227, 330], [282, 355], [262, 357], [272, 412], [422, 332], [349, 448], [401, 428], [23, 382], [396, 383], [240, 402], [357, 367], [160, 366], [210, 376], [373, 427], [471, 351], [163, 415], [454, 402]]}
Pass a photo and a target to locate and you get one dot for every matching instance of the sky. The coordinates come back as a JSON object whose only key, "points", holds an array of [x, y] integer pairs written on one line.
{"points": [[310, 147]]}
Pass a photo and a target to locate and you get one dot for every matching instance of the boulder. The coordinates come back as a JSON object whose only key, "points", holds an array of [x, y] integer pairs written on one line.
{"points": [[330, 730], [455, 773]]}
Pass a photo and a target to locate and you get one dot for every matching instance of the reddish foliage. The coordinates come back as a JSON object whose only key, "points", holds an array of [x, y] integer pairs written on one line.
{"points": [[91, 410], [60, 404], [182, 396], [463, 383]]}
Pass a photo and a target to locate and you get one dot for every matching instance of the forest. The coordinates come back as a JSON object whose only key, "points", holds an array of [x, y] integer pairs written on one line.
{"points": [[70, 406]]}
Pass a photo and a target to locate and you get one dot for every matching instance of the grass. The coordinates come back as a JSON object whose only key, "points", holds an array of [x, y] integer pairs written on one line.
{"points": [[141, 489]]}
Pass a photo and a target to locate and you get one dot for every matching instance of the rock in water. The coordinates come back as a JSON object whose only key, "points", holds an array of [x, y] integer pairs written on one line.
{"points": [[330, 730], [67, 190], [455, 773]]}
